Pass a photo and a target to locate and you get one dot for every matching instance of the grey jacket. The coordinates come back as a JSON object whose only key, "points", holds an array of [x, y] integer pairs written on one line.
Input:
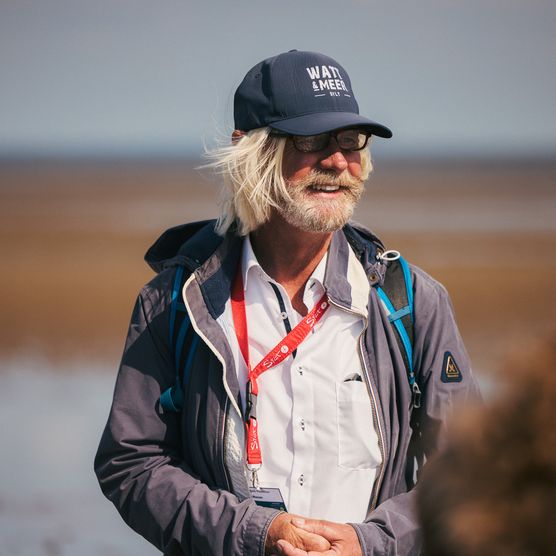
{"points": [[178, 479]]}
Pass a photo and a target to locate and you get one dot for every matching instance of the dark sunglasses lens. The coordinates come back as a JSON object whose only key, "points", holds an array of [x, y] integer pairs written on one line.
{"points": [[351, 140], [348, 140], [311, 143]]}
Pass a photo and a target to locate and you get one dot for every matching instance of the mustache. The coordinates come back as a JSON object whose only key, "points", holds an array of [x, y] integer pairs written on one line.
{"points": [[316, 177]]}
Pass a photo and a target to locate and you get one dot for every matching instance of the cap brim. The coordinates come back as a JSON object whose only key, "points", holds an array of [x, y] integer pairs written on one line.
{"points": [[321, 122]]}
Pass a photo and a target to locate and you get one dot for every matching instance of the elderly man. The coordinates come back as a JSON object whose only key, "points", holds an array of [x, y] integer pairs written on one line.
{"points": [[269, 400]]}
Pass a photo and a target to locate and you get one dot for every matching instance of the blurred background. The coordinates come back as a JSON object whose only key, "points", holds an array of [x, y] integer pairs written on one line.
{"points": [[105, 110]]}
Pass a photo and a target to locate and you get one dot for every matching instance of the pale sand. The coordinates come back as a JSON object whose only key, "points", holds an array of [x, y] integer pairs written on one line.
{"points": [[73, 237]]}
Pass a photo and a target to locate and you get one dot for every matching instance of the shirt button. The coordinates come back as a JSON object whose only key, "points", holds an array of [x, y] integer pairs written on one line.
{"points": [[300, 370], [283, 315], [302, 424], [301, 479]]}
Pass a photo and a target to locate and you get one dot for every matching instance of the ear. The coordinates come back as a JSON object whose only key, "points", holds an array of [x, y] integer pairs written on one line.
{"points": [[237, 135]]}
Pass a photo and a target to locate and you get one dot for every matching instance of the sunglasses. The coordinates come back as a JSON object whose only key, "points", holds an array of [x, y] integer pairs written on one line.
{"points": [[347, 140]]}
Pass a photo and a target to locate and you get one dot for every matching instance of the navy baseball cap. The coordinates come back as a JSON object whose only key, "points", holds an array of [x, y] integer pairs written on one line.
{"points": [[299, 93]]}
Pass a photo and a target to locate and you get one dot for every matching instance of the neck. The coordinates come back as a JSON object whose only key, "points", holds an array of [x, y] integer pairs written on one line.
{"points": [[289, 255]]}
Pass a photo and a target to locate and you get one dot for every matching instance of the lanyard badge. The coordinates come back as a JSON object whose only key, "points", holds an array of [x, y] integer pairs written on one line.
{"points": [[275, 356]]}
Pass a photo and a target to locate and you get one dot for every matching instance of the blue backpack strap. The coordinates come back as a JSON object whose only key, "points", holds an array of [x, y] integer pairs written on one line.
{"points": [[184, 342], [396, 295]]}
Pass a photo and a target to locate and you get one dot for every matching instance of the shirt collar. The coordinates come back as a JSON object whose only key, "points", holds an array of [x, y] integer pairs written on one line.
{"points": [[250, 264], [318, 273], [339, 273]]}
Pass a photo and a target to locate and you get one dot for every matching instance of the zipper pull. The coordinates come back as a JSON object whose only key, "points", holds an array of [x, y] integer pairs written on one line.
{"points": [[416, 396]]}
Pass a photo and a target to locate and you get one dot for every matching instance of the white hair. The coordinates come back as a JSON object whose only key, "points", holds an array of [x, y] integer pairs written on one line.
{"points": [[251, 168]]}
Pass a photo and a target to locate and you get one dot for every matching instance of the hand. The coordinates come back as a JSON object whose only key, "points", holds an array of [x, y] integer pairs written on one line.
{"points": [[281, 529], [342, 537]]}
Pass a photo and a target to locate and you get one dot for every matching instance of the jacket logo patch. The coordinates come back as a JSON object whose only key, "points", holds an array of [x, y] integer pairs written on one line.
{"points": [[450, 369]]}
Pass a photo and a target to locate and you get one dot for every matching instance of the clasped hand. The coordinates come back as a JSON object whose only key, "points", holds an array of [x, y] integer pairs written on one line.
{"points": [[291, 535]]}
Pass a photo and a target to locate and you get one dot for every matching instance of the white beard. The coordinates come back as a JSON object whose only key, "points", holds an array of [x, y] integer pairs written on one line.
{"points": [[313, 214]]}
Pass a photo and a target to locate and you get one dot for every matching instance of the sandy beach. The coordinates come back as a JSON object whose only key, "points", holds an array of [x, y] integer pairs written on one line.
{"points": [[73, 236]]}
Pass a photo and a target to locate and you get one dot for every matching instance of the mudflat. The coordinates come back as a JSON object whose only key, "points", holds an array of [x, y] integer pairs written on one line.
{"points": [[73, 235]]}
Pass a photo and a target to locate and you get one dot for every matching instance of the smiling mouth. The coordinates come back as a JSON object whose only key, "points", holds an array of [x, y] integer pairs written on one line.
{"points": [[326, 188]]}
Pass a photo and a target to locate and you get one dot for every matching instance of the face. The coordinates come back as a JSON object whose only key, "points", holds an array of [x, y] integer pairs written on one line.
{"points": [[324, 187]]}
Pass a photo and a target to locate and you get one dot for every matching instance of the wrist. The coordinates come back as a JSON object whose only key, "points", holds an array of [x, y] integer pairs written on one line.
{"points": [[274, 531], [360, 538]]}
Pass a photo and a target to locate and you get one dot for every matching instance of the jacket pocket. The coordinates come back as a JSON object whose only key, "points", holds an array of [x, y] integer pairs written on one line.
{"points": [[357, 438]]}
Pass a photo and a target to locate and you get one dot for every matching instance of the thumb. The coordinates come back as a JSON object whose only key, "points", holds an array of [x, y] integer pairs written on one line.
{"points": [[316, 526]]}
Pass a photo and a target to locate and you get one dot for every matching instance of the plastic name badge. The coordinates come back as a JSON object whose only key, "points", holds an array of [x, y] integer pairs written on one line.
{"points": [[269, 498]]}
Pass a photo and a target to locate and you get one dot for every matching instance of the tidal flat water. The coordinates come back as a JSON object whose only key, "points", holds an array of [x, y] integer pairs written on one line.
{"points": [[50, 502]]}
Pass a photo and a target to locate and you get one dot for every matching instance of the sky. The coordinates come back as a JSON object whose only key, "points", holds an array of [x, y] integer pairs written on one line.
{"points": [[137, 77]]}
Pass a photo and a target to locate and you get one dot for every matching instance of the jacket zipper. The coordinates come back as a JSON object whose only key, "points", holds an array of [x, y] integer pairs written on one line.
{"points": [[374, 405], [229, 487], [212, 348], [229, 396], [376, 419]]}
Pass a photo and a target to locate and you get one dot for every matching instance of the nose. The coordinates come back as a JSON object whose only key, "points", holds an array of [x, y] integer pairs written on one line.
{"points": [[334, 159]]}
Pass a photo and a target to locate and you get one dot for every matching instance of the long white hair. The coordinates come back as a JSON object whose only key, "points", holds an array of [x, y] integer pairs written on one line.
{"points": [[251, 168]]}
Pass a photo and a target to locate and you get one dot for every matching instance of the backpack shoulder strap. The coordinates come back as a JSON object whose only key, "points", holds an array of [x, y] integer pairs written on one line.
{"points": [[396, 296], [184, 341]]}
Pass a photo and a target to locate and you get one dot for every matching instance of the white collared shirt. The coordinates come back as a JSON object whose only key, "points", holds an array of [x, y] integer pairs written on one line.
{"points": [[318, 441]]}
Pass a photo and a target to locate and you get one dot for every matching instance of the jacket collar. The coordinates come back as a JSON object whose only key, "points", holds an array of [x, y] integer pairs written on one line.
{"points": [[352, 263], [345, 280], [351, 270]]}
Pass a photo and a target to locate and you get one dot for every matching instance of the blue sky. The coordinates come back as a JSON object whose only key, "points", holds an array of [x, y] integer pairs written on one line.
{"points": [[473, 77]]}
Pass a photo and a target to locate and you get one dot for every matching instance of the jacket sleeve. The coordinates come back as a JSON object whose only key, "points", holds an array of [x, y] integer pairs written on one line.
{"points": [[446, 380], [139, 464]]}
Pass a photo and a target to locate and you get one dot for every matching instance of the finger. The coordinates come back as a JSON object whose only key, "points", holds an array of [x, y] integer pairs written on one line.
{"points": [[318, 527], [286, 549], [310, 541]]}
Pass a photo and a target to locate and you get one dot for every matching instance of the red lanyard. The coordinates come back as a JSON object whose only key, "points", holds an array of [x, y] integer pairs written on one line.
{"points": [[276, 355]]}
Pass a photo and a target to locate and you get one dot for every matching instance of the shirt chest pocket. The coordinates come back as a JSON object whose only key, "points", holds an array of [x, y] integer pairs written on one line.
{"points": [[357, 438]]}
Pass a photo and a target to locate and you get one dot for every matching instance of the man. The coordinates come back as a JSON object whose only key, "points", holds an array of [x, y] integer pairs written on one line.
{"points": [[294, 392]]}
